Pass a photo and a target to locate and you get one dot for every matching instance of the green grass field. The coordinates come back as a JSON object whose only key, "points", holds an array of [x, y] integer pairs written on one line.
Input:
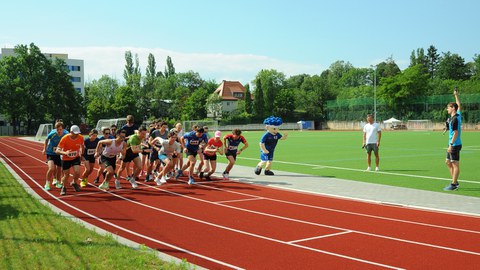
{"points": [[410, 159], [32, 236]]}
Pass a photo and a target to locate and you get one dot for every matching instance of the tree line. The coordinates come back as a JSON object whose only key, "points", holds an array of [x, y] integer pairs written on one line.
{"points": [[36, 90]]}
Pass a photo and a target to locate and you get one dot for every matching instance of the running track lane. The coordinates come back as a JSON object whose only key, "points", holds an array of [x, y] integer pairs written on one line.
{"points": [[235, 225]]}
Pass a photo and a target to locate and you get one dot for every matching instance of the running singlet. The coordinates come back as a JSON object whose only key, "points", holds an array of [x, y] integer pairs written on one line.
{"points": [[455, 124], [168, 149], [54, 139], [135, 142], [212, 144], [112, 150], [90, 146], [193, 142], [232, 143], [74, 145]]}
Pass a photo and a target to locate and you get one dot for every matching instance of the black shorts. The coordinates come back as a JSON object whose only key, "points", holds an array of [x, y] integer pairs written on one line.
{"points": [[371, 147], [154, 155], [455, 154], [231, 153], [192, 153], [106, 161], [56, 159], [91, 159], [207, 157], [67, 164], [129, 156]]}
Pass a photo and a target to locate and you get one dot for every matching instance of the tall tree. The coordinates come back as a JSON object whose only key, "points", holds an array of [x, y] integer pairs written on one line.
{"points": [[433, 59], [248, 99], [169, 69], [101, 97], [452, 66], [258, 102], [272, 82]]}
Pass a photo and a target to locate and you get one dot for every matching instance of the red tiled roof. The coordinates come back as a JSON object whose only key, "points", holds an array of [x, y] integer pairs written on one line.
{"points": [[231, 90]]}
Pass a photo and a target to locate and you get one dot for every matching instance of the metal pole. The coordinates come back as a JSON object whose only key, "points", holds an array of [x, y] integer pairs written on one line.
{"points": [[375, 94]]}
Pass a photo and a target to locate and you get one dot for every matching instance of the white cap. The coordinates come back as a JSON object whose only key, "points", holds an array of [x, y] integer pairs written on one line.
{"points": [[75, 129]]}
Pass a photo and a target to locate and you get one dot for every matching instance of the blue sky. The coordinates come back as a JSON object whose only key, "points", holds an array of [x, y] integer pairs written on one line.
{"points": [[234, 40]]}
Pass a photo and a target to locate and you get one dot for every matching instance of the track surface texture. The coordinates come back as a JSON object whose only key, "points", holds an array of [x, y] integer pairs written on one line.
{"points": [[232, 224]]}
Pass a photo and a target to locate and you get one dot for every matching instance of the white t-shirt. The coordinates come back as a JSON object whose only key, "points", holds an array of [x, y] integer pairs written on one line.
{"points": [[371, 131]]}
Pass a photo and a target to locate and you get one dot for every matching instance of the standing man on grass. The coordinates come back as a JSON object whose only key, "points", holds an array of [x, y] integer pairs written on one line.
{"points": [[71, 147], [454, 141], [372, 133]]}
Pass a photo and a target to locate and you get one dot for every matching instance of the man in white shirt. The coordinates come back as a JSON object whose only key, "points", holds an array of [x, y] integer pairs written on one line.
{"points": [[372, 133]]}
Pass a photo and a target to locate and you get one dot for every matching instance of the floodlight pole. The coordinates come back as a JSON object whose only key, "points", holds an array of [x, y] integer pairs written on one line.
{"points": [[375, 94]]}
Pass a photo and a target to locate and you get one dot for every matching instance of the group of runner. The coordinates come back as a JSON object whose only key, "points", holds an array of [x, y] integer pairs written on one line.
{"points": [[157, 151]]}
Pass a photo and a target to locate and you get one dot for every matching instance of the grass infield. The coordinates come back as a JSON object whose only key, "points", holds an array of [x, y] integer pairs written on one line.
{"points": [[412, 159], [35, 237]]}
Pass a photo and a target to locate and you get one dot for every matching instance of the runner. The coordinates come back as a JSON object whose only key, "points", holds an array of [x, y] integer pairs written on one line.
{"points": [[106, 134], [89, 156], [191, 143], [107, 150], [71, 147], [170, 150], [132, 154], [213, 146], [231, 142], [54, 161]]}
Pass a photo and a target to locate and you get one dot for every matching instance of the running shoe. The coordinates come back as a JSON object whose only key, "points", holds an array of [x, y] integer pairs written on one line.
{"points": [[201, 175], [117, 184], [225, 176], [59, 184], [207, 178], [55, 181], [76, 187], [191, 181], [268, 172], [179, 173], [451, 187], [63, 191], [104, 185], [84, 182], [163, 180], [96, 181], [147, 178], [47, 186], [368, 169], [132, 182], [377, 169], [258, 170]]}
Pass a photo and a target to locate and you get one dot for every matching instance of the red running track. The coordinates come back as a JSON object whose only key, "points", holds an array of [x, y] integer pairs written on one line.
{"points": [[229, 224]]}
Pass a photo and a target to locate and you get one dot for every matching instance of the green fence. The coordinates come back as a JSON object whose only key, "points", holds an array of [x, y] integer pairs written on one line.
{"points": [[426, 107]]}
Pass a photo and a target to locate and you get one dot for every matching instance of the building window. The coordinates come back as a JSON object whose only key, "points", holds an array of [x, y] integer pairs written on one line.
{"points": [[75, 79], [238, 95], [74, 68], [79, 90]]}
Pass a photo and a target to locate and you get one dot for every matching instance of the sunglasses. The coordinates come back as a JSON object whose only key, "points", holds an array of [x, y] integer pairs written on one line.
{"points": [[106, 133]]}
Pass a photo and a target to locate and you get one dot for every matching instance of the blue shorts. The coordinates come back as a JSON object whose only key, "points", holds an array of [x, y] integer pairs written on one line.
{"points": [[266, 157]]}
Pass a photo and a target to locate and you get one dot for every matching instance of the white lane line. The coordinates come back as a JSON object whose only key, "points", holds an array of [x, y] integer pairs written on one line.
{"points": [[119, 227], [322, 225], [239, 200], [312, 223], [319, 237], [319, 166]]}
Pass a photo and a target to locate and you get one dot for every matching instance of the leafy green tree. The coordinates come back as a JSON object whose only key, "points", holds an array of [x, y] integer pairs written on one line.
{"points": [[125, 102], [452, 66], [195, 105], [258, 102], [284, 103], [214, 105], [100, 95], [400, 91], [248, 99], [272, 82], [387, 68], [169, 69], [433, 59]]}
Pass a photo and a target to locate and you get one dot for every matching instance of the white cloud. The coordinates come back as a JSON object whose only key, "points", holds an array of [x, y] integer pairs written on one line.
{"points": [[110, 61]]}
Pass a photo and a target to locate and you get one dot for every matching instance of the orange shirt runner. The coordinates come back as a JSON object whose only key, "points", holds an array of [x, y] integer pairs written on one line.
{"points": [[74, 145]]}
